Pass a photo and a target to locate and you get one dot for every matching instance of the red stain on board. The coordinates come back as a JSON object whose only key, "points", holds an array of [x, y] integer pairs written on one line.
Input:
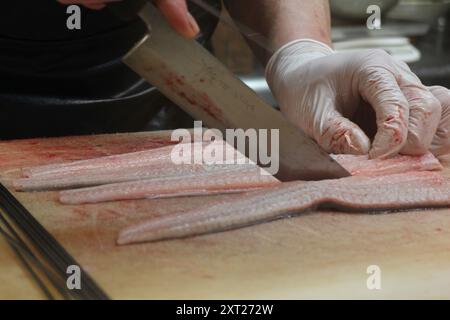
{"points": [[52, 155], [33, 152], [80, 212], [108, 214]]}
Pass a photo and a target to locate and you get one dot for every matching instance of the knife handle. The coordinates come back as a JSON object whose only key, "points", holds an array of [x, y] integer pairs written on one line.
{"points": [[127, 9]]}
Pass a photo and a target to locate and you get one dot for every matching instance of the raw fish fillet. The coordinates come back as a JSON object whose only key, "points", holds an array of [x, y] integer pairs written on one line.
{"points": [[84, 180], [123, 175], [236, 178], [361, 193], [152, 157], [155, 163], [140, 158], [362, 165]]}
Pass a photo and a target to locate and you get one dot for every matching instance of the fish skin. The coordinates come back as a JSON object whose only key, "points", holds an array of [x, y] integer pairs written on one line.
{"points": [[368, 190], [85, 180], [141, 165], [156, 163], [231, 180], [157, 156], [362, 165], [126, 175], [362, 193], [153, 156]]}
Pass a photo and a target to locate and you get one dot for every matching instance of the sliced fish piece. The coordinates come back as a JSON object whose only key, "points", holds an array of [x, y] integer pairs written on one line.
{"points": [[124, 175], [235, 178], [157, 156], [361, 193], [362, 165], [155, 163], [128, 159], [85, 180]]}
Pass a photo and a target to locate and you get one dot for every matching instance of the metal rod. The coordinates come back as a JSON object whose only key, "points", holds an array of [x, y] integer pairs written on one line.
{"points": [[15, 247], [48, 247]]}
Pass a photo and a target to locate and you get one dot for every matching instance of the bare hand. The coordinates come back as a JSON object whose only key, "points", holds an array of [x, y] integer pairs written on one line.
{"points": [[175, 11]]}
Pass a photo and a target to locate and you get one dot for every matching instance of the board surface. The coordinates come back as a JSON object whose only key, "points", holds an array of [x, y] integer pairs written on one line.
{"points": [[313, 255]]}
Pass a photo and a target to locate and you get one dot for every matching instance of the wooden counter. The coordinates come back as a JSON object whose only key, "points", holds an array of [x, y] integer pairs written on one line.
{"points": [[315, 255]]}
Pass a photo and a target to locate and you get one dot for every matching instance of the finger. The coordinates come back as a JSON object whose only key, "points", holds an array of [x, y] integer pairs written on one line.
{"points": [[441, 142], [86, 2], [379, 88], [178, 16], [175, 11], [91, 4], [339, 135], [424, 116], [323, 122], [95, 6]]}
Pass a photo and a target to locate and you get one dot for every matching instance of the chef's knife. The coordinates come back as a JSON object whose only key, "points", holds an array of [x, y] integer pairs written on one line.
{"points": [[195, 80]]}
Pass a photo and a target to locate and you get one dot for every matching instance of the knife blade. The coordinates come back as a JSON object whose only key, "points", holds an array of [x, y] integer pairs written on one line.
{"points": [[196, 81]]}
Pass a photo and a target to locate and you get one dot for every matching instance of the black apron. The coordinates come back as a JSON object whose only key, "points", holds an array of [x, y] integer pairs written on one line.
{"points": [[56, 81]]}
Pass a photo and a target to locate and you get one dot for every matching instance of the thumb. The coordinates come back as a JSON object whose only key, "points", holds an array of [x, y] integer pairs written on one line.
{"points": [[91, 4], [338, 134], [178, 16], [441, 142]]}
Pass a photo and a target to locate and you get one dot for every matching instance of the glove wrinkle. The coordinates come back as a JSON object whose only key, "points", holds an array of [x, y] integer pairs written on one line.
{"points": [[322, 91], [440, 145]]}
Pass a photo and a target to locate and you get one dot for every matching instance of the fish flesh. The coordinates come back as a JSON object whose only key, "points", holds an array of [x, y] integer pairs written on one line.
{"points": [[231, 179], [361, 193], [155, 163], [362, 165], [391, 184], [156, 156], [219, 181], [122, 175], [140, 158], [148, 173]]}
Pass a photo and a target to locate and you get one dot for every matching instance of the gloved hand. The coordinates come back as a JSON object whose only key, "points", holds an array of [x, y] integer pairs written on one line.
{"points": [[441, 141], [175, 11], [320, 91]]}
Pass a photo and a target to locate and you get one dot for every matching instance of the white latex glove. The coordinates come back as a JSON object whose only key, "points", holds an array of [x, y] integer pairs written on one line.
{"points": [[441, 141], [175, 11], [320, 91]]}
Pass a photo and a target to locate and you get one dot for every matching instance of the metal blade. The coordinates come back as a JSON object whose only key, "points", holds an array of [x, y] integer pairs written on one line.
{"points": [[196, 81]]}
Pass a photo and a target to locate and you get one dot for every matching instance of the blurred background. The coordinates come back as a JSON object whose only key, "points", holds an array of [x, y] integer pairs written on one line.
{"points": [[70, 92], [415, 31]]}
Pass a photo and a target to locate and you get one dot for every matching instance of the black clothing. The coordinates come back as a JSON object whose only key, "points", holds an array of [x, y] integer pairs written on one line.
{"points": [[57, 81]]}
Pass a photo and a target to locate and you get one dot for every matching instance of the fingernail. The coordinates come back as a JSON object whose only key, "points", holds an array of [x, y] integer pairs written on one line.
{"points": [[193, 25]]}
